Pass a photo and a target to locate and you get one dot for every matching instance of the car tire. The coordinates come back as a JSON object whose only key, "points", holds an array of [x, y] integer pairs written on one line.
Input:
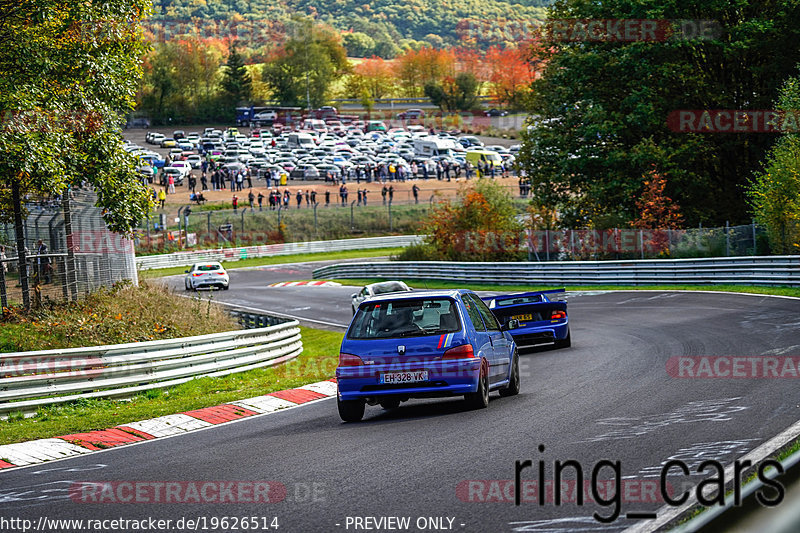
{"points": [[480, 398], [566, 342], [225, 287], [390, 404], [350, 410], [513, 381]]}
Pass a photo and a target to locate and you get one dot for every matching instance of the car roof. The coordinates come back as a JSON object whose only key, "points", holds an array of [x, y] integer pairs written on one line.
{"points": [[417, 294], [209, 263]]}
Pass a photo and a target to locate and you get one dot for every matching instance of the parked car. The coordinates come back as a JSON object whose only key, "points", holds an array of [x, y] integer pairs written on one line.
{"points": [[206, 275], [496, 113], [411, 114], [424, 344]]}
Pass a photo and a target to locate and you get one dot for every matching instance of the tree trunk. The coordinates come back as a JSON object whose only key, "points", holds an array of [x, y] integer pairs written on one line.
{"points": [[20, 235]]}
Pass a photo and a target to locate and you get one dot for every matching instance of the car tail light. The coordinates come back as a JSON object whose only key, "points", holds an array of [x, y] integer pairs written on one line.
{"points": [[347, 359], [197, 274], [558, 315], [221, 273], [464, 351]]}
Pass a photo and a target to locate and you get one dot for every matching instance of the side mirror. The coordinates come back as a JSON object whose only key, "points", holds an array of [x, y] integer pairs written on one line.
{"points": [[186, 271], [512, 324], [353, 295]]}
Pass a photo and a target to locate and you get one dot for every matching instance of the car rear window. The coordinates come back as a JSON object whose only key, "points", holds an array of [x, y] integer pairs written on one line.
{"points": [[521, 300], [208, 268], [405, 318]]}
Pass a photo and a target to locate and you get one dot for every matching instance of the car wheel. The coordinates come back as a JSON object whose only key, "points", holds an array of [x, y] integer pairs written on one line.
{"points": [[224, 287], [566, 342], [513, 381], [350, 410], [480, 398], [390, 404]]}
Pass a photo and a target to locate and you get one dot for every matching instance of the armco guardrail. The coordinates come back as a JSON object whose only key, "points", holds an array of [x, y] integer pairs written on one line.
{"points": [[148, 262], [29, 380], [775, 270]]}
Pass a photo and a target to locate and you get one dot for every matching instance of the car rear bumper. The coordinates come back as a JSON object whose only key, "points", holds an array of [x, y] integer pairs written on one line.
{"points": [[445, 378], [542, 335]]}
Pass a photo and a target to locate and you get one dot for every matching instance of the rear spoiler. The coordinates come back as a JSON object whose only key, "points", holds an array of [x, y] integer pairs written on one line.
{"points": [[522, 294]]}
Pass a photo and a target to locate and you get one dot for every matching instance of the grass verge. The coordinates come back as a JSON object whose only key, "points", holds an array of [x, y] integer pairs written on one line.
{"points": [[433, 284], [279, 259], [317, 362], [117, 315]]}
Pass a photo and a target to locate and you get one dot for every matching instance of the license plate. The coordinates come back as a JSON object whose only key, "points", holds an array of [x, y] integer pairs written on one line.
{"points": [[391, 378], [522, 318]]}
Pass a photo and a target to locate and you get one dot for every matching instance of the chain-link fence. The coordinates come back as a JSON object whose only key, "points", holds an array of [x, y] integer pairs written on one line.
{"points": [[69, 252], [566, 245]]}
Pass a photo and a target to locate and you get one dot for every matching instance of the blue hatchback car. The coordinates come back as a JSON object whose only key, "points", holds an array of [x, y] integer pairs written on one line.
{"points": [[424, 344]]}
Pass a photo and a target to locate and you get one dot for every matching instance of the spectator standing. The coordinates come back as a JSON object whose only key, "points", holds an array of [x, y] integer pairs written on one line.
{"points": [[391, 193], [384, 192], [203, 182], [308, 197], [327, 198], [43, 262], [415, 192], [171, 181], [235, 203], [364, 196], [260, 201], [162, 197], [359, 197], [251, 200]]}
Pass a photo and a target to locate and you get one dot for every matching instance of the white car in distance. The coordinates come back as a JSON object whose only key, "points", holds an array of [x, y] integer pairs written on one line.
{"points": [[206, 275]]}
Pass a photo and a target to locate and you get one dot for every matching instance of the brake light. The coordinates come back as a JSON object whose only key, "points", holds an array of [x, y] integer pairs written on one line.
{"points": [[197, 274], [464, 351], [221, 273], [347, 359], [558, 315]]}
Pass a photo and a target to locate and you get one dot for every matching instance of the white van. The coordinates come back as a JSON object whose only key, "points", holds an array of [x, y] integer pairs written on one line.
{"points": [[300, 140]]}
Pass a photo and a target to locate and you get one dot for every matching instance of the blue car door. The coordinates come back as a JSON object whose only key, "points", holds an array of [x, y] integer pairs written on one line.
{"points": [[501, 360], [483, 345]]}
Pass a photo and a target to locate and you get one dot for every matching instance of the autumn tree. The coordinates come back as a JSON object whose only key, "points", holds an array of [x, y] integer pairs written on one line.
{"points": [[656, 209], [416, 68], [373, 76], [481, 225], [510, 75]]}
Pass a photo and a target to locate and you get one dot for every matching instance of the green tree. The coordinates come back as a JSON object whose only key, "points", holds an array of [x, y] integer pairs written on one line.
{"points": [[774, 193], [459, 93], [68, 74], [236, 81], [302, 71], [358, 44], [601, 109]]}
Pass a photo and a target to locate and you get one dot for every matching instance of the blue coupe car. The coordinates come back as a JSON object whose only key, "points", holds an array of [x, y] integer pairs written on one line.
{"points": [[540, 320], [425, 344]]}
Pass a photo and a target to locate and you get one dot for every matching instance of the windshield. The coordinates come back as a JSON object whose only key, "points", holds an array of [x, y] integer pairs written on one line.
{"points": [[208, 268], [405, 318]]}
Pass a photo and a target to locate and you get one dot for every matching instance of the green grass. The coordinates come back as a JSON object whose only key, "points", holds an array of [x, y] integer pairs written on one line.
{"points": [[317, 362], [117, 315], [433, 284], [279, 259]]}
